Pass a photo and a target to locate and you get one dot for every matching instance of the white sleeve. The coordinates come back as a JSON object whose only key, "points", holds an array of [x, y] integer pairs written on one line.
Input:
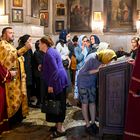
{"points": [[59, 48]]}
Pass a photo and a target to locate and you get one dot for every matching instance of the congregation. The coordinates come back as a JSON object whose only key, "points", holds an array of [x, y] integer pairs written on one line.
{"points": [[54, 70]]}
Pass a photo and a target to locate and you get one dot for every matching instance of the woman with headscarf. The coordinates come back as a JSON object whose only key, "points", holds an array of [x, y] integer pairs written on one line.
{"points": [[80, 53], [63, 48], [56, 81], [94, 43], [132, 123], [86, 82], [28, 64]]}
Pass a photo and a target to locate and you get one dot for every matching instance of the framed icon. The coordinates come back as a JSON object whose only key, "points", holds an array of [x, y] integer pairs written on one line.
{"points": [[60, 9], [59, 25], [119, 15], [79, 15], [43, 4], [17, 15], [44, 18]]}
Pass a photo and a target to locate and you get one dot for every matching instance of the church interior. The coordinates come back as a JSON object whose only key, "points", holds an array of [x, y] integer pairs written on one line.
{"points": [[113, 23]]}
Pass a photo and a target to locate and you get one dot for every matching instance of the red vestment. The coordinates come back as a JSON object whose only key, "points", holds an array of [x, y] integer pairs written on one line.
{"points": [[4, 77], [132, 124]]}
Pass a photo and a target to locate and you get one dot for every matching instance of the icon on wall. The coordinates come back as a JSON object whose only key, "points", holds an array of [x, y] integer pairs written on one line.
{"points": [[43, 4], [17, 3], [17, 15], [60, 9], [44, 19], [120, 15], [59, 25], [34, 8], [79, 15]]}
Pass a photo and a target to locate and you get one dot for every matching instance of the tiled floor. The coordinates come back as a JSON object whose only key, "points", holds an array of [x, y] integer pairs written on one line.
{"points": [[34, 127]]}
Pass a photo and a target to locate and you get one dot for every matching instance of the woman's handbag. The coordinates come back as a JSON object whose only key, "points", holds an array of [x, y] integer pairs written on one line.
{"points": [[51, 106], [65, 63]]}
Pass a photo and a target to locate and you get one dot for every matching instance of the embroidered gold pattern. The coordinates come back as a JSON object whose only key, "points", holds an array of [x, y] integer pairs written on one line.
{"points": [[15, 89]]}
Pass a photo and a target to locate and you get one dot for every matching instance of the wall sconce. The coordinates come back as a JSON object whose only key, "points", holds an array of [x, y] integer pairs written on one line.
{"points": [[4, 20], [97, 23], [138, 23]]}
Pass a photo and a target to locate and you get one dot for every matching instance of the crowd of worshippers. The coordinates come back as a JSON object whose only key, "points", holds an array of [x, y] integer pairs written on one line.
{"points": [[53, 68]]}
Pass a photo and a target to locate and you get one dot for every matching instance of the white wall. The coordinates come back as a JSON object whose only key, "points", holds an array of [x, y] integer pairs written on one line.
{"points": [[36, 32], [115, 40]]}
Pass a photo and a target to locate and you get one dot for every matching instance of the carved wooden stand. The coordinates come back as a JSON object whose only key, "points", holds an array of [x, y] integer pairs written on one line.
{"points": [[113, 89]]}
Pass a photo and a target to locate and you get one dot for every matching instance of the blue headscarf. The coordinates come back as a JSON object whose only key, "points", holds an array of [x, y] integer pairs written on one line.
{"points": [[80, 40], [85, 52], [62, 36]]}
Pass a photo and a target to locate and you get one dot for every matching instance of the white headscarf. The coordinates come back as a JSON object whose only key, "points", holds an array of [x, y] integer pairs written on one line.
{"points": [[102, 46]]}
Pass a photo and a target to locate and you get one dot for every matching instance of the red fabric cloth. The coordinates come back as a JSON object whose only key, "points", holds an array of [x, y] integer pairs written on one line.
{"points": [[132, 124], [3, 109]]}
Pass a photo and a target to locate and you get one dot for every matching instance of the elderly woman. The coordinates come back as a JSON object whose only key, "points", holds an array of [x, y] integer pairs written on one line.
{"points": [[56, 81], [87, 90]]}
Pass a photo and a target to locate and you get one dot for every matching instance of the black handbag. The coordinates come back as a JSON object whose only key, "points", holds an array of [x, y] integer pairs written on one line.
{"points": [[51, 106], [65, 63]]}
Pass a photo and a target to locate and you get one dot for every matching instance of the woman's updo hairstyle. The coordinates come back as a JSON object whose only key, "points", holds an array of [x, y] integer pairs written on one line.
{"points": [[47, 40]]}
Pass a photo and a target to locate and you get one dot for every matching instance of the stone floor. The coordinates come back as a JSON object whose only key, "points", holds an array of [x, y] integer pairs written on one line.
{"points": [[34, 127]]}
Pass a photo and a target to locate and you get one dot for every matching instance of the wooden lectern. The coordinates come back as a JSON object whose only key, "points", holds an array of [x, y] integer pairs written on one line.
{"points": [[113, 90]]}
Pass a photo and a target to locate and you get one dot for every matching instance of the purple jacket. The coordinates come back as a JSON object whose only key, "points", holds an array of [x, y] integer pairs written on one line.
{"points": [[54, 73]]}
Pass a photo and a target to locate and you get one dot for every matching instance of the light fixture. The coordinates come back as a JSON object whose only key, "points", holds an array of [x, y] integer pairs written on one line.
{"points": [[97, 23], [97, 16]]}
